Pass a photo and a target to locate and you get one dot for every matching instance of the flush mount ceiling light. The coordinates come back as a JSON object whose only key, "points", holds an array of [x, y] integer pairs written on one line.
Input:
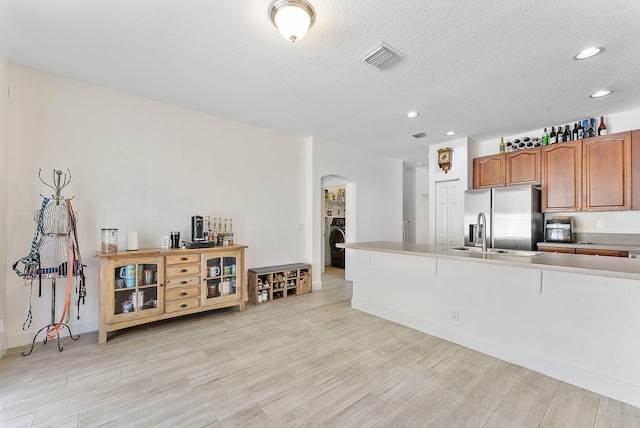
{"points": [[599, 94], [413, 114], [450, 133], [292, 18], [588, 53]]}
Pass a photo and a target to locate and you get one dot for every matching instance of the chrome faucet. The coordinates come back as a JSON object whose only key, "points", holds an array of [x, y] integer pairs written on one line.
{"points": [[483, 231]]}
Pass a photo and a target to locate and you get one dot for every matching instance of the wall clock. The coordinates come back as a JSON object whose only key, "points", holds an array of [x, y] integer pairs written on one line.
{"points": [[444, 159]]}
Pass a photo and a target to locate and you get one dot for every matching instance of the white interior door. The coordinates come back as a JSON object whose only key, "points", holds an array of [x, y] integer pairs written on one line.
{"points": [[448, 213]]}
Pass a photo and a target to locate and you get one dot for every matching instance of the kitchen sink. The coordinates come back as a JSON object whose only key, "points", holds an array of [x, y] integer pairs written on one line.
{"points": [[521, 253]]}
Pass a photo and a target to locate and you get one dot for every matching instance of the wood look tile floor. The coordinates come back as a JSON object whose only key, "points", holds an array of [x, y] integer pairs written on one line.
{"points": [[306, 361]]}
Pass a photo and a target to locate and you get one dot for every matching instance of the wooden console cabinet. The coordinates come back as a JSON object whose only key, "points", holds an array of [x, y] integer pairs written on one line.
{"points": [[167, 284], [274, 282]]}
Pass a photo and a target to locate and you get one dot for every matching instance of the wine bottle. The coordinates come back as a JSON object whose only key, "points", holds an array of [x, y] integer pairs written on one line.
{"points": [[567, 133], [214, 237], [545, 138], [587, 128], [580, 131], [574, 136], [553, 136], [560, 135], [225, 236], [503, 146], [230, 231], [220, 235], [602, 129]]}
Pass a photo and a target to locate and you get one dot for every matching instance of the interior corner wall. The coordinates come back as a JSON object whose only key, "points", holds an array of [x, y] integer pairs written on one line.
{"points": [[131, 157], [4, 117], [376, 182]]}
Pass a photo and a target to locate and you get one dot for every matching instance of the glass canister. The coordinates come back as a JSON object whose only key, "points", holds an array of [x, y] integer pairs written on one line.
{"points": [[109, 241]]}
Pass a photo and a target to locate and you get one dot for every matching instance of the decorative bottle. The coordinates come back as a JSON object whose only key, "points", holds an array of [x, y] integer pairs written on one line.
{"points": [[602, 129]]}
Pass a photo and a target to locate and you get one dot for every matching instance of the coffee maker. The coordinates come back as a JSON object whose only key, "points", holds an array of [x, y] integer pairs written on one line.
{"points": [[197, 228]]}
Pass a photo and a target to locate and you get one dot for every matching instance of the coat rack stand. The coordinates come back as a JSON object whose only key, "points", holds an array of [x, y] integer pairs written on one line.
{"points": [[56, 226]]}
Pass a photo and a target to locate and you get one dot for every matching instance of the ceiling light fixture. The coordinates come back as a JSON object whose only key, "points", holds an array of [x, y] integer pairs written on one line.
{"points": [[413, 114], [450, 133], [292, 18], [588, 53], [599, 94]]}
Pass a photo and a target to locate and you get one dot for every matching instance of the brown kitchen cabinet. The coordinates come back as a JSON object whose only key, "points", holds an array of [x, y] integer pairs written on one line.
{"points": [[593, 174], [606, 164], [489, 171], [507, 169], [523, 167], [564, 250], [562, 177], [586, 251], [177, 282]]}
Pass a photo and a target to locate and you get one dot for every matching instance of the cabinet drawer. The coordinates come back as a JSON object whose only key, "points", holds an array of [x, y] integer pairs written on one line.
{"points": [[596, 252], [182, 305], [182, 293], [184, 258], [181, 281], [182, 270]]}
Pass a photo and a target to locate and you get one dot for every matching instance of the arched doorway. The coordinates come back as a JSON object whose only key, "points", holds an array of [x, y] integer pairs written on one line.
{"points": [[338, 221]]}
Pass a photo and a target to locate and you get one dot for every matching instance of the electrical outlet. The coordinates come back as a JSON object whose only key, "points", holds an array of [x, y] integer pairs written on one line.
{"points": [[455, 315], [2, 325], [154, 216], [600, 223]]}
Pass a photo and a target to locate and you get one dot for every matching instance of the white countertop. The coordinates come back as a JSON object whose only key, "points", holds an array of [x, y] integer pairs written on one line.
{"points": [[613, 267]]}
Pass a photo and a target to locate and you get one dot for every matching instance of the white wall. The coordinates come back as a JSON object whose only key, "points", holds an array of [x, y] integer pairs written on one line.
{"points": [[129, 157], [4, 114], [459, 171], [375, 189], [422, 209], [409, 201], [614, 221]]}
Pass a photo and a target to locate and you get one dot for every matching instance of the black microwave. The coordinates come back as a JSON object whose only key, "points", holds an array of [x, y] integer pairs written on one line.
{"points": [[558, 230]]}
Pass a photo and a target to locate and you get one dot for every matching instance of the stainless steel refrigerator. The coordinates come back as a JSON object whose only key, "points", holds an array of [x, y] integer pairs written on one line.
{"points": [[514, 219]]}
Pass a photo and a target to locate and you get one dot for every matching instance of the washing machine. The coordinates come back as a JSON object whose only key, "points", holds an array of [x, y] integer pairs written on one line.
{"points": [[336, 236]]}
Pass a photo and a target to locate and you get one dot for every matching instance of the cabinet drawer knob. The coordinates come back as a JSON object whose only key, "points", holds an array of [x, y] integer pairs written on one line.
{"points": [[184, 282], [184, 305], [183, 271], [183, 294], [183, 259]]}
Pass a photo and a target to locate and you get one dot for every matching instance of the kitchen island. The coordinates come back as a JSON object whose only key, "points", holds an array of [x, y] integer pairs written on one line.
{"points": [[572, 317]]}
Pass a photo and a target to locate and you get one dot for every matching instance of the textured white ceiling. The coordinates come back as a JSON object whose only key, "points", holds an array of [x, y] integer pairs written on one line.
{"points": [[484, 69]]}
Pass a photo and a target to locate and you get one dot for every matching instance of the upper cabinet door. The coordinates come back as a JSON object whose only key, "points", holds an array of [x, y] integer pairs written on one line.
{"points": [[607, 172], [562, 177], [523, 167], [489, 171]]}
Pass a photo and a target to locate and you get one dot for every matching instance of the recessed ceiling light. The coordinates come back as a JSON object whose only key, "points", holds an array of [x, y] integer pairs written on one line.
{"points": [[588, 53], [413, 114], [599, 94], [450, 133]]}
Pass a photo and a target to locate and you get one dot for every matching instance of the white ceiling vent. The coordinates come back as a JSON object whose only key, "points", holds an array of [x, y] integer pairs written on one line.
{"points": [[382, 56]]}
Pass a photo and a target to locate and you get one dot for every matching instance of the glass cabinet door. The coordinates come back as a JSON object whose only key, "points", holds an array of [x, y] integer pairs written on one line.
{"points": [[221, 277], [134, 288]]}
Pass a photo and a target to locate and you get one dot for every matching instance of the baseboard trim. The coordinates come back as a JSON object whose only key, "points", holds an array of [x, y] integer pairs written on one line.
{"points": [[26, 337], [595, 382]]}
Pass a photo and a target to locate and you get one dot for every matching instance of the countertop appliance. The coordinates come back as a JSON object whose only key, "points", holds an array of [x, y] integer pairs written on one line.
{"points": [[558, 230], [514, 219], [197, 229]]}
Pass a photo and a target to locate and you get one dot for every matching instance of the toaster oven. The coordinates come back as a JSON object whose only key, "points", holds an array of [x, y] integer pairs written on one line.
{"points": [[558, 230]]}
